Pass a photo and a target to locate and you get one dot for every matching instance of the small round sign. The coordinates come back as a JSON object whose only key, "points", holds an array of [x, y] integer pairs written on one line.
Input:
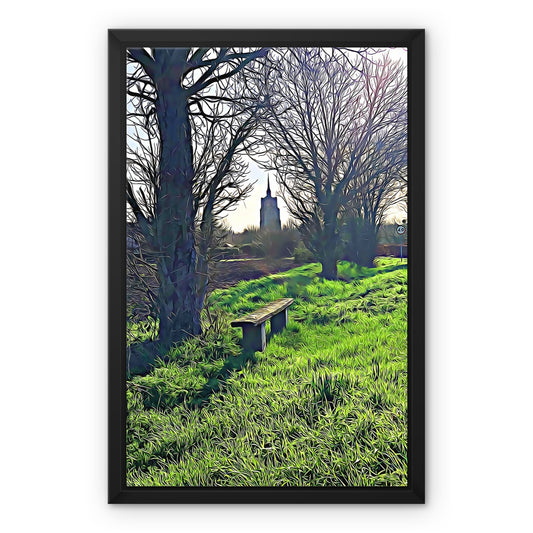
{"points": [[400, 230]]}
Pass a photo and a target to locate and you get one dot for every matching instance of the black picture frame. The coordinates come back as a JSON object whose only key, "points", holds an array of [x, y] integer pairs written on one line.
{"points": [[118, 41]]}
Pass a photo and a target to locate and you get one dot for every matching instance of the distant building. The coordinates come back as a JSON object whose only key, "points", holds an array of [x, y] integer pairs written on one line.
{"points": [[270, 219]]}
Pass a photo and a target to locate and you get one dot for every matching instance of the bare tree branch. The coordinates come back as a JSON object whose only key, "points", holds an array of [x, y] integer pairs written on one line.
{"points": [[335, 132]]}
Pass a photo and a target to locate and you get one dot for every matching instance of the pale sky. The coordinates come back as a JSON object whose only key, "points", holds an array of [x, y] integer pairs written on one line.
{"points": [[247, 212]]}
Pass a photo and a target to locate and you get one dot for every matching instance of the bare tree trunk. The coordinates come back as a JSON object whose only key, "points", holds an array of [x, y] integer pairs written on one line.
{"points": [[329, 267], [179, 314], [330, 243], [202, 281], [202, 267]]}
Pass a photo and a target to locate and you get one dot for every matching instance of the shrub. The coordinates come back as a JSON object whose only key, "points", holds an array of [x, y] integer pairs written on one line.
{"points": [[252, 249], [303, 255], [227, 252], [359, 241], [277, 243]]}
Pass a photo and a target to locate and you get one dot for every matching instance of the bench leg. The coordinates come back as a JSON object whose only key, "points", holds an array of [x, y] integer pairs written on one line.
{"points": [[279, 322], [254, 338]]}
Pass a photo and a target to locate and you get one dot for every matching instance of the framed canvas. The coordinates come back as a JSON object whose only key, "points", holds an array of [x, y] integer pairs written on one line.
{"points": [[266, 266]]}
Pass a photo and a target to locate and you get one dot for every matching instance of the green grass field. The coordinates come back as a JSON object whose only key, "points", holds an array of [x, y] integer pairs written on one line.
{"points": [[324, 405]]}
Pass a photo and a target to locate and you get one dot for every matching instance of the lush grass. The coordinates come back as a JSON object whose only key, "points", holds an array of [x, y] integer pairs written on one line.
{"points": [[324, 404]]}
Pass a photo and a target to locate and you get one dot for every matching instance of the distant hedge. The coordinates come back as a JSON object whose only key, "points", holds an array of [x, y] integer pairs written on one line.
{"points": [[391, 250]]}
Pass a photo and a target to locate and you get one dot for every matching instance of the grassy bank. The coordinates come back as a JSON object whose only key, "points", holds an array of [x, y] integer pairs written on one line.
{"points": [[324, 404]]}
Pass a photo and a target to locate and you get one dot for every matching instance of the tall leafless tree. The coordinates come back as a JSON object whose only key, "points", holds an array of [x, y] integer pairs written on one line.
{"points": [[221, 136], [184, 168], [382, 187], [336, 126]]}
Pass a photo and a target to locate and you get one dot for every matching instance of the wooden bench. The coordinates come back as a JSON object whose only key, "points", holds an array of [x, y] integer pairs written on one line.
{"points": [[253, 324]]}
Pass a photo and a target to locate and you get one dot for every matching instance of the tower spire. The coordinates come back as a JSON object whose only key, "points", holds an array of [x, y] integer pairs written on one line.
{"points": [[269, 213]]}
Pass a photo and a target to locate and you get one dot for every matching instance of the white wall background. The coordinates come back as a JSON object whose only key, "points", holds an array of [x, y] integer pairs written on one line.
{"points": [[53, 299]]}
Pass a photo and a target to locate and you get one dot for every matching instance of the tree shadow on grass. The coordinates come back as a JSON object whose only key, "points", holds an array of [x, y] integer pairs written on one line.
{"points": [[256, 292], [392, 268], [357, 272], [296, 284], [141, 357], [216, 383]]}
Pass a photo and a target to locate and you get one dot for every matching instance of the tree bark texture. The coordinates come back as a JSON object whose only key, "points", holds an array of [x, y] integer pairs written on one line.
{"points": [[329, 267], [330, 236], [179, 312]]}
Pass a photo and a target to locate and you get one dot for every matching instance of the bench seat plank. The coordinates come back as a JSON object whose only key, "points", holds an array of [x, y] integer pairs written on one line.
{"points": [[262, 315]]}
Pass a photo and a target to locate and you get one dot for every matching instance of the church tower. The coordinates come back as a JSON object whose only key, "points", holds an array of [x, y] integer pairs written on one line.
{"points": [[270, 212]]}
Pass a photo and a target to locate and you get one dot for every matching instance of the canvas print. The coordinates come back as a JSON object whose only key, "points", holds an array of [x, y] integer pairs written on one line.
{"points": [[267, 241]]}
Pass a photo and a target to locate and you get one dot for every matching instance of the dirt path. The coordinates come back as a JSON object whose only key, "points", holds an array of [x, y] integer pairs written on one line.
{"points": [[223, 274], [229, 272]]}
